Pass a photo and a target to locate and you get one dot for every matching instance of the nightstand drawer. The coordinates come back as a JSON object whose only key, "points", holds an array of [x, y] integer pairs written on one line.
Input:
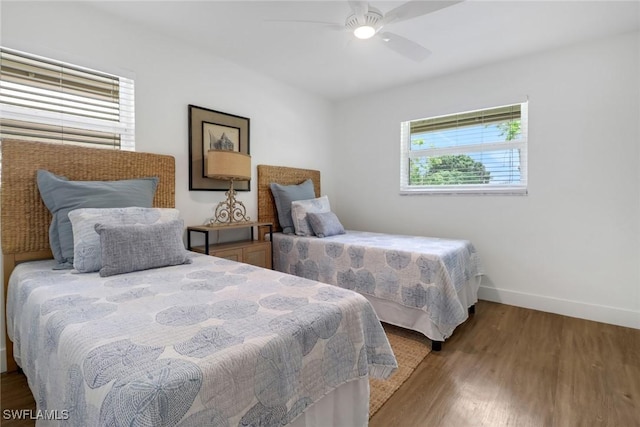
{"points": [[258, 254], [231, 254], [254, 252]]}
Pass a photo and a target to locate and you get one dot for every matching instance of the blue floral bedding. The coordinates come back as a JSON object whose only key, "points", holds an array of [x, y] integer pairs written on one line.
{"points": [[213, 343], [418, 272]]}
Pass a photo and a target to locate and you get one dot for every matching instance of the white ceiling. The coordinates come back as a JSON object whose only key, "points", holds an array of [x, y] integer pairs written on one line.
{"points": [[335, 65]]}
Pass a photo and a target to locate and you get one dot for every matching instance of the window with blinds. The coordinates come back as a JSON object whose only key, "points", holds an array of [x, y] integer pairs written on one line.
{"points": [[51, 101], [483, 151]]}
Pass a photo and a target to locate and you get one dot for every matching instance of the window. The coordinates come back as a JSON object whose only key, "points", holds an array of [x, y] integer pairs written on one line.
{"points": [[483, 151], [51, 101]]}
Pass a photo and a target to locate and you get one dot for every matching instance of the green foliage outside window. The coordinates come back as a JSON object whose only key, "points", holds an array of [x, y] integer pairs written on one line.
{"points": [[510, 130], [457, 169], [448, 170]]}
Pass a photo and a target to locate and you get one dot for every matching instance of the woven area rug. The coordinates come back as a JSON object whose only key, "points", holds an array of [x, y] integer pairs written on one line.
{"points": [[410, 348]]}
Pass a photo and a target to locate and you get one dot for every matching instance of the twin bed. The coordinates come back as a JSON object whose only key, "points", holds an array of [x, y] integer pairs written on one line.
{"points": [[425, 284], [211, 342]]}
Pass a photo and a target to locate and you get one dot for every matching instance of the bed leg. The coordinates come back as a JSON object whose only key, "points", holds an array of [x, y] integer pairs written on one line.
{"points": [[436, 345], [472, 309]]}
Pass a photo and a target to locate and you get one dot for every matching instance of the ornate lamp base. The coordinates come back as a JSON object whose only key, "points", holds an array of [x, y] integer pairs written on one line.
{"points": [[229, 211]]}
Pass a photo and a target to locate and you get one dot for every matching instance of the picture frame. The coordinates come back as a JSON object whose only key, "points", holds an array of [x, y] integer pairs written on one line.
{"points": [[211, 129]]}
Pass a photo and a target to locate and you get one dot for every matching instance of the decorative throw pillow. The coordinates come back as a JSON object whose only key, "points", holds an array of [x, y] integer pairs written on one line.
{"points": [[300, 209], [127, 248], [325, 224], [284, 195], [62, 196], [86, 241]]}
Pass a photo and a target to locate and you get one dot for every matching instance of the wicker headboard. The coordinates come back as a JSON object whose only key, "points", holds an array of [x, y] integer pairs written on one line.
{"points": [[25, 219], [281, 175]]}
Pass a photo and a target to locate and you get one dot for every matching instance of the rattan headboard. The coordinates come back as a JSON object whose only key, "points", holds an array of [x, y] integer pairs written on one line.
{"points": [[25, 219], [284, 176]]}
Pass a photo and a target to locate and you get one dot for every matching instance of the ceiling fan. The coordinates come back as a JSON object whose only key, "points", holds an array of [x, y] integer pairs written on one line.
{"points": [[366, 21]]}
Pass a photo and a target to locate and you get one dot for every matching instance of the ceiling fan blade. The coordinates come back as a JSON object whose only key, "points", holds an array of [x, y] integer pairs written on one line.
{"points": [[405, 47], [415, 8]]}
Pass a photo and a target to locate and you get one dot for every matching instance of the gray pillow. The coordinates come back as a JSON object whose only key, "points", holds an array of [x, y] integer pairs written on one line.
{"points": [[127, 248], [284, 195], [86, 242], [62, 196], [301, 208], [325, 224]]}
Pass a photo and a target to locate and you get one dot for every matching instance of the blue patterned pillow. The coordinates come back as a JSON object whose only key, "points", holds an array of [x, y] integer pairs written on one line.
{"points": [[86, 241], [62, 196], [300, 209], [325, 224], [284, 195], [127, 248]]}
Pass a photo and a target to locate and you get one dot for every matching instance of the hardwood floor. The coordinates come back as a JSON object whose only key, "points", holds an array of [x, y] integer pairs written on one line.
{"points": [[510, 366], [15, 395], [506, 366]]}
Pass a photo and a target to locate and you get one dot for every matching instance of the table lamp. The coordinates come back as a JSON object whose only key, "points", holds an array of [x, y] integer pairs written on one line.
{"points": [[228, 166]]}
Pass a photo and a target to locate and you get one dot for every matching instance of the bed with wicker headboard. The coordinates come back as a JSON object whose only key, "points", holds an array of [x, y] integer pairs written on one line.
{"points": [[282, 175], [425, 284], [25, 219], [140, 348]]}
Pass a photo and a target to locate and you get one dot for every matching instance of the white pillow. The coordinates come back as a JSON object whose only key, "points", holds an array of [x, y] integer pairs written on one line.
{"points": [[300, 209], [86, 241]]}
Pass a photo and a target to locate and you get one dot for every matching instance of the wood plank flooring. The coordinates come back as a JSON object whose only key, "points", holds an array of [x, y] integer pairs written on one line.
{"points": [[15, 395], [510, 366], [506, 366]]}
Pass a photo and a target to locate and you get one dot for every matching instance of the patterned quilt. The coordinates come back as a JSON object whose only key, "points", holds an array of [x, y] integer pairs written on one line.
{"points": [[418, 272], [213, 343]]}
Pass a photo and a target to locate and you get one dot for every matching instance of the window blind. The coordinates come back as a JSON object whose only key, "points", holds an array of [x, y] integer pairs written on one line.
{"points": [[481, 151], [51, 101], [492, 115]]}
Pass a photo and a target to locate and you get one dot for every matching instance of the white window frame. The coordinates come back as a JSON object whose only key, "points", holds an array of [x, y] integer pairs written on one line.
{"points": [[520, 144]]}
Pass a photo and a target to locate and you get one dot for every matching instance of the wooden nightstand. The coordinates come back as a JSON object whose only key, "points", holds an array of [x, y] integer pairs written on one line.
{"points": [[255, 252]]}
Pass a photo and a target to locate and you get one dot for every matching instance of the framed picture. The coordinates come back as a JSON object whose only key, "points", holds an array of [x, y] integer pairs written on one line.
{"points": [[214, 130]]}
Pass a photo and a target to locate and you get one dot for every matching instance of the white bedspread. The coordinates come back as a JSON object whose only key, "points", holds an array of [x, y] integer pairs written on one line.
{"points": [[429, 274], [213, 343]]}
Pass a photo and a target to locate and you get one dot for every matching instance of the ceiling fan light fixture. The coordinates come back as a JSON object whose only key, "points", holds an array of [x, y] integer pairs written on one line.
{"points": [[364, 32], [367, 25]]}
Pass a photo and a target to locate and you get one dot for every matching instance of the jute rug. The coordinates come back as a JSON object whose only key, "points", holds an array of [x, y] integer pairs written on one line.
{"points": [[410, 348]]}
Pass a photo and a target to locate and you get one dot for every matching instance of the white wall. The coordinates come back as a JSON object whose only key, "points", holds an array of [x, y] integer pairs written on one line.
{"points": [[169, 76], [572, 246]]}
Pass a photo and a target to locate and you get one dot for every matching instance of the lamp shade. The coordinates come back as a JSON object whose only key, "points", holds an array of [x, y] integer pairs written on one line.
{"points": [[228, 165]]}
